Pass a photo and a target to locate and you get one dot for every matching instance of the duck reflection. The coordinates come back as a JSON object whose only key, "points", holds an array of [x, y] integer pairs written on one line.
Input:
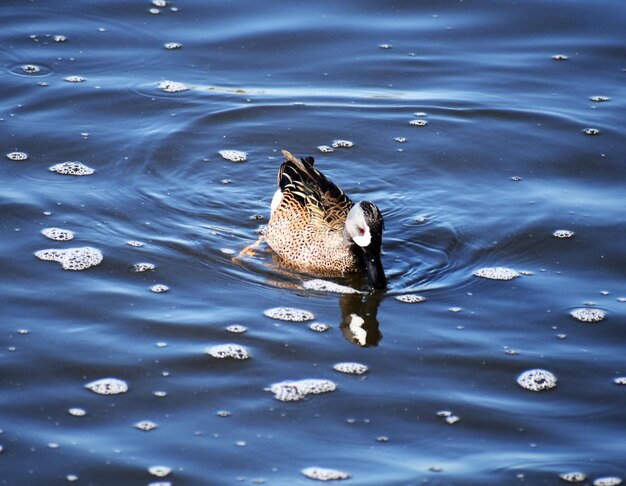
{"points": [[359, 324]]}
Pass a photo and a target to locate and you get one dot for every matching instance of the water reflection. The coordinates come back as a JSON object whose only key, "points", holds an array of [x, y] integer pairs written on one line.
{"points": [[359, 323]]}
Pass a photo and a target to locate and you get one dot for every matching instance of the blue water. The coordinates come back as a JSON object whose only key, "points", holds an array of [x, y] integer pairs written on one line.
{"points": [[503, 162]]}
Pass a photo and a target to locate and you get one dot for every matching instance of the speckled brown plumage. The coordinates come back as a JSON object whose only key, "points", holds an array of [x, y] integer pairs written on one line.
{"points": [[306, 228]]}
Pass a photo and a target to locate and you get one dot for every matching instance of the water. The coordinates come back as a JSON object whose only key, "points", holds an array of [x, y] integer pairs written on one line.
{"points": [[502, 163]]}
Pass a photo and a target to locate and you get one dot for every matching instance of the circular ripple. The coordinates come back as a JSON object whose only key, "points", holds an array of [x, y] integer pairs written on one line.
{"points": [[29, 69]]}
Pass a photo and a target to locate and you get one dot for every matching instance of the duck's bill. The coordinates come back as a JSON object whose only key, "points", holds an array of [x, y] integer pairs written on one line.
{"points": [[375, 273]]}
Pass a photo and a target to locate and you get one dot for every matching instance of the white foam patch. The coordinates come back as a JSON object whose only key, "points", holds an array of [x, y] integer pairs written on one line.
{"points": [[72, 168], [170, 46], [30, 68], [496, 273], [351, 368], [563, 233], [410, 298], [108, 386], [225, 351], [17, 156], [160, 471], [74, 79], [234, 155], [359, 335], [159, 288], [77, 412], [134, 243], [325, 474], [142, 267], [319, 327], [342, 144], [146, 425], [325, 149], [418, 123], [72, 258], [608, 481], [236, 328], [172, 86], [537, 380], [293, 391], [620, 380], [326, 286], [289, 314], [573, 477], [58, 234], [588, 315]]}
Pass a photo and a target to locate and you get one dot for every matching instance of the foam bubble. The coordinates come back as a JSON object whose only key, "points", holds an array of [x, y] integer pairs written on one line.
{"points": [[172, 45], [573, 477], [146, 425], [599, 99], [74, 79], [351, 368], [452, 419], [142, 267], [292, 391], [234, 155], [326, 286], [400, 139], [410, 298], [172, 86], [134, 243], [560, 57], [563, 233], [58, 234], [72, 258], [17, 156], [159, 288], [30, 68], [620, 380], [537, 380], [418, 123], [385, 46], [591, 131], [159, 3], [319, 327], [608, 481], [420, 113], [159, 471], [342, 144], [72, 168], [77, 412], [223, 351], [107, 386], [588, 315], [496, 273], [59, 38], [325, 149], [325, 474], [289, 314], [236, 328]]}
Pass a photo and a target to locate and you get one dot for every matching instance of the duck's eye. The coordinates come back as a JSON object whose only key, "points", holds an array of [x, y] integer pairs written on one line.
{"points": [[361, 231]]}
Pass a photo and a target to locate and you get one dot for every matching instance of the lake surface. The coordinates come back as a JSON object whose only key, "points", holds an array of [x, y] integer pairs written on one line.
{"points": [[480, 128]]}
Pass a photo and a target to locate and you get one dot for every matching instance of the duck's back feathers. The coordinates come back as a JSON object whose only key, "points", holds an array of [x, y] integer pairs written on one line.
{"points": [[301, 183]]}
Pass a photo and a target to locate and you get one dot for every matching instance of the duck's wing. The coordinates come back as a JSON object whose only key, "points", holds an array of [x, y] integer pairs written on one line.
{"points": [[303, 184]]}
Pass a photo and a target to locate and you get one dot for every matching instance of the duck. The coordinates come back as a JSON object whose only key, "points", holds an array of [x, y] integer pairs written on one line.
{"points": [[315, 227]]}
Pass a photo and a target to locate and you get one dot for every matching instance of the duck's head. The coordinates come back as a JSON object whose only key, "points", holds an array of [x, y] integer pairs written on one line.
{"points": [[364, 226]]}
